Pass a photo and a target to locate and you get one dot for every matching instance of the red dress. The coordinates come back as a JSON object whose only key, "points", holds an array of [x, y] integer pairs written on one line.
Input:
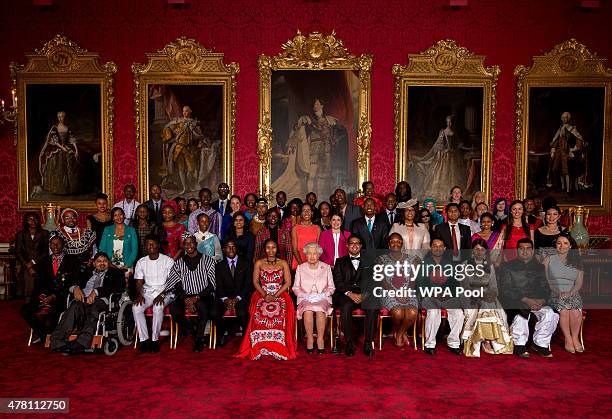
{"points": [[173, 239], [271, 325]]}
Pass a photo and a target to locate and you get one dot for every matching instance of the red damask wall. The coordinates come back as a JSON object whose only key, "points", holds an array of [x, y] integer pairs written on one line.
{"points": [[509, 33]]}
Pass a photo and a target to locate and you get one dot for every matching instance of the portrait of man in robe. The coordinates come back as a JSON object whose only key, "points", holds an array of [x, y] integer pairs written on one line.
{"points": [[314, 131]]}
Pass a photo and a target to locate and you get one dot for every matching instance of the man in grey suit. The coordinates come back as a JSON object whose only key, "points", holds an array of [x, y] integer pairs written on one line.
{"points": [[350, 212]]}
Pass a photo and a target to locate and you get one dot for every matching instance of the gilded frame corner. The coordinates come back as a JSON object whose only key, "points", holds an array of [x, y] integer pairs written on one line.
{"points": [[568, 64], [62, 61], [445, 64], [314, 52], [185, 61]]}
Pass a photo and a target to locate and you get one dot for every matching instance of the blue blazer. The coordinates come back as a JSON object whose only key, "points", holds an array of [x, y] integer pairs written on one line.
{"points": [[130, 244]]}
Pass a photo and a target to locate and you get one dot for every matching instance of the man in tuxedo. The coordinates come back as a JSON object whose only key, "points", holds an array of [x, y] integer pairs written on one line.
{"points": [[350, 275], [389, 212], [281, 204], [221, 205], [55, 274], [456, 237], [371, 228], [154, 203], [433, 277], [350, 212], [234, 278], [90, 299]]}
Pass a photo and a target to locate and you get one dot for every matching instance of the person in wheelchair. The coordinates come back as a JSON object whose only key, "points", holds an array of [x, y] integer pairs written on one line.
{"points": [[90, 299], [55, 274]]}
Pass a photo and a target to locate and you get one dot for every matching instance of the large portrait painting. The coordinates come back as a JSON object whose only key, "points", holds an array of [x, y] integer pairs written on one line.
{"points": [[185, 103], [444, 112], [562, 131], [314, 122], [64, 126]]}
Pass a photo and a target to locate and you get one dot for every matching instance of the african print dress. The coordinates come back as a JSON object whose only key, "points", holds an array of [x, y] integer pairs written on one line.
{"points": [[271, 325]]}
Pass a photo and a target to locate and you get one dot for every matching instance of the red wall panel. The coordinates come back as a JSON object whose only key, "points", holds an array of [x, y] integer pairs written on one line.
{"points": [[508, 33]]}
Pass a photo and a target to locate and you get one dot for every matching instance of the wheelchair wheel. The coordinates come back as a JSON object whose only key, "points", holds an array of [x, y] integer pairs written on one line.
{"points": [[126, 326], [110, 346]]}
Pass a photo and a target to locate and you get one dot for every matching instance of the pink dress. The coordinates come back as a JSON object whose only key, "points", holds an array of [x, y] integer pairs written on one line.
{"points": [[304, 235], [314, 288]]}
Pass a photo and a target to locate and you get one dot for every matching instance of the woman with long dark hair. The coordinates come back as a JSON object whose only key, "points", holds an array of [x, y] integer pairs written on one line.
{"points": [[31, 246], [515, 228]]}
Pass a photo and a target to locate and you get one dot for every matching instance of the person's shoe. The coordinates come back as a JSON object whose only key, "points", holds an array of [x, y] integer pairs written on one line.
{"points": [[36, 340], [456, 351], [368, 349], [430, 351], [221, 342], [542, 351], [154, 347], [309, 350], [349, 350], [320, 351], [198, 346], [74, 348], [336, 347], [145, 346], [521, 351]]}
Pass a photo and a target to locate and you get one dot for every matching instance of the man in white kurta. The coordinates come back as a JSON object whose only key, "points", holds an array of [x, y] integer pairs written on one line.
{"points": [[151, 273]]}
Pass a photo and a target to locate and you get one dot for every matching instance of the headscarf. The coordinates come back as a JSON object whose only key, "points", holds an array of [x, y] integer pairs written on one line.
{"points": [[436, 217], [170, 203]]}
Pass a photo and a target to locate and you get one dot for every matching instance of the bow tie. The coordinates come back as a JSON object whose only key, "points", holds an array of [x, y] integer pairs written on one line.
{"points": [[355, 257]]}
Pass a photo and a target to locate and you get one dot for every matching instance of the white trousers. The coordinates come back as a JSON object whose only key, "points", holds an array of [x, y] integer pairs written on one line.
{"points": [[433, 320], [544, 328], [158, 317]]}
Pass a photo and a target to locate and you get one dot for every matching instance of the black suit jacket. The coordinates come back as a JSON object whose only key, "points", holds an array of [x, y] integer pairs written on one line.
{"points": [[226, 209], [239, 285], [60, 283], [351, 213], [385, 217], [114, 282], [379, 236], [153, 216], [27, 248], [346, 278], [443, 232]]}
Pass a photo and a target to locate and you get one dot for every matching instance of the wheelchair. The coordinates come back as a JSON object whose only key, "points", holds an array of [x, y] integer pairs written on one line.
{"points": [[115, 326]]}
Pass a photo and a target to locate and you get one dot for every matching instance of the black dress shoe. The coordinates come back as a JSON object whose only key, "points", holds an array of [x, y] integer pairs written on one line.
{"points": [[145, 346], [430, 351], [368, 349], [521, 351], [456, 351], [349, 350], [221, 342], [198, 346], [541, 350], [154, 347]]}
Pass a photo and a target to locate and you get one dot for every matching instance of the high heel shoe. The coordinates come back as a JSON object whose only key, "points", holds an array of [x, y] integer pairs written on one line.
{"points": [[570, 350], [579, 349], [320, 351], [309, 350]]}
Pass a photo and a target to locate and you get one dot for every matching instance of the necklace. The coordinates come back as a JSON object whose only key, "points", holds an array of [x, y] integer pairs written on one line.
{"points": [[271, 262]]}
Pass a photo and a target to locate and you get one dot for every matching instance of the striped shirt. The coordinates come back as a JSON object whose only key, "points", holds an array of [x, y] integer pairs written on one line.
{"points": [[193, 281]]}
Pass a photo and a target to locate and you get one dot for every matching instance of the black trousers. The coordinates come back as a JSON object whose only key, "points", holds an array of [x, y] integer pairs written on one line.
{"points": [[42, 325], [347, 306], [68, 324], [205, 308], [242, 312]]}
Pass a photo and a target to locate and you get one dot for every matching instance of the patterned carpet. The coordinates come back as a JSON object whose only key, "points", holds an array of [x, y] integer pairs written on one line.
{"points": [[181, 383]]}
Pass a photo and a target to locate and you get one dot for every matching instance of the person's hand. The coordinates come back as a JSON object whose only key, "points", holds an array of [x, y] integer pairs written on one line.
{"points": [[49, 299], [552, 152], [139, 300], [78, 294], [536, 304], [91, 297], [268, 298], [159, 300], [564, 294]]}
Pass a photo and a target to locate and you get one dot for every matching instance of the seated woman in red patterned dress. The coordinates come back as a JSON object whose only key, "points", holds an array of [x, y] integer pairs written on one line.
{"points": [[272, 315]]}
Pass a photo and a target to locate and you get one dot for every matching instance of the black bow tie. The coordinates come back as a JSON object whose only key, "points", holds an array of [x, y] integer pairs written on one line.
{"points": [[355, 258]]}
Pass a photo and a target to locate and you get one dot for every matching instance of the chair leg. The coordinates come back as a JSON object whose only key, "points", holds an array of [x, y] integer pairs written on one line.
{"points": [[30, 339], [380, 321], [171, 332], [581, 339], [136, 339], [331, 332], [414, 332], [176, 333], [422, 332], [212, 336]]}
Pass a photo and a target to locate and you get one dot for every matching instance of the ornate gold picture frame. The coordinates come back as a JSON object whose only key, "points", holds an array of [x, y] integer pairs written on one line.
{"points": [[563, 131], [64, 126], [185, 100], [314, 118], [444, 109]]}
